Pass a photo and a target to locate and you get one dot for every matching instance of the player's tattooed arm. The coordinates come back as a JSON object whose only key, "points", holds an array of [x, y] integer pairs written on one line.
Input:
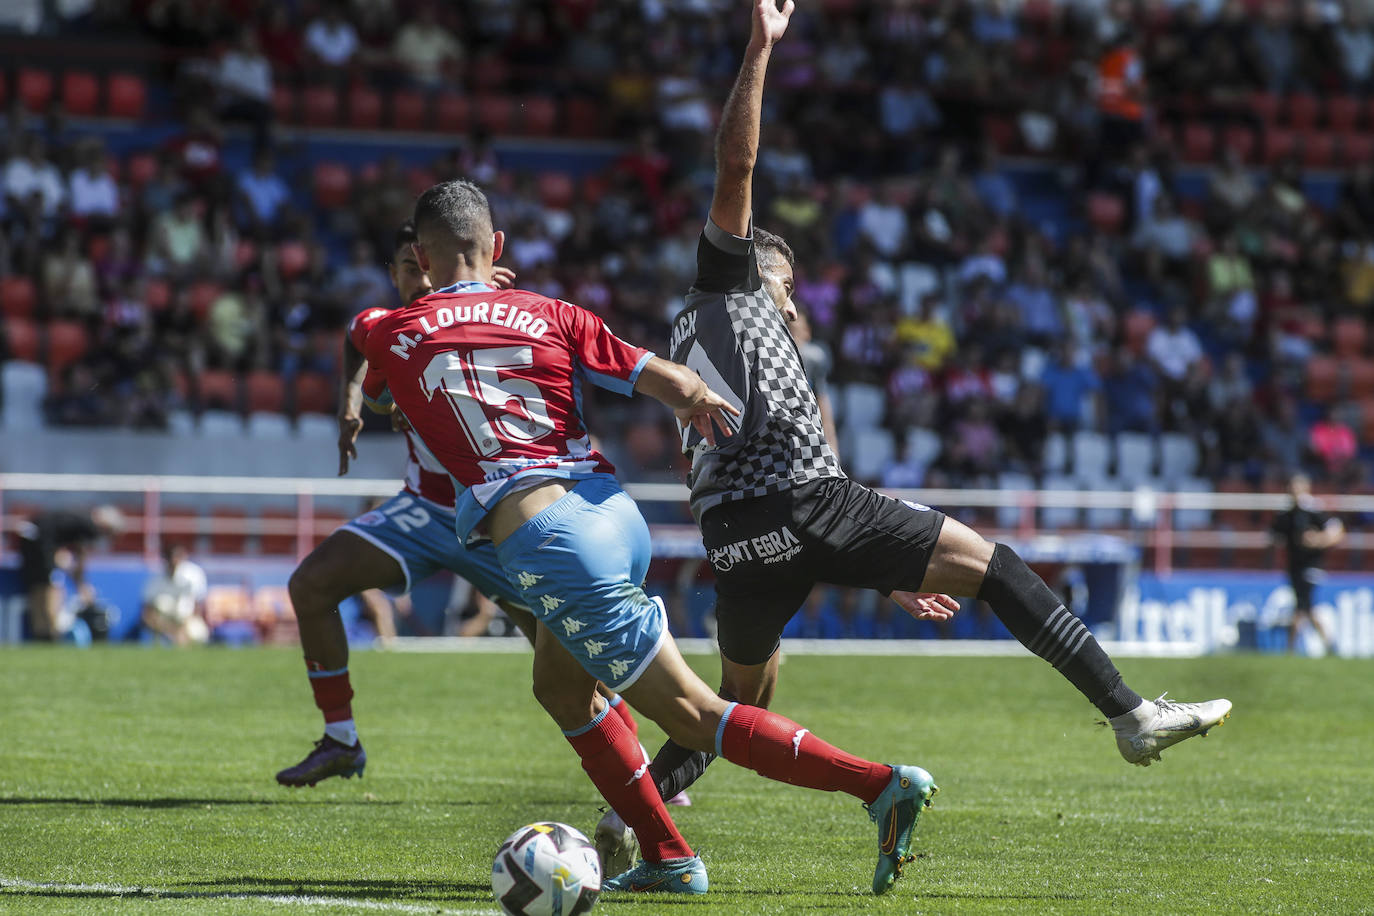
{"points": [[350, 403], [691, 399], [737, 141]]}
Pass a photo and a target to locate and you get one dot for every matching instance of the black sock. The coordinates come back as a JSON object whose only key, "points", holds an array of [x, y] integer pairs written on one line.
{"points": [[675, 768], [1037, 618]]}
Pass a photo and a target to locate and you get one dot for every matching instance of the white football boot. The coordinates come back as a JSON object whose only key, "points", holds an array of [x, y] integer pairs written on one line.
{"points": [[616, 845], [1153, 726]]}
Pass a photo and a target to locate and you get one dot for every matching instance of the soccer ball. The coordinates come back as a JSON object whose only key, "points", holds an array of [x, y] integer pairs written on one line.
{"points": [[546, 869]]}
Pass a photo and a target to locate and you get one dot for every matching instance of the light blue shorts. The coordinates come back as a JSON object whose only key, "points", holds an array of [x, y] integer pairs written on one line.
{"points": [[419, 536], [579, 565]]}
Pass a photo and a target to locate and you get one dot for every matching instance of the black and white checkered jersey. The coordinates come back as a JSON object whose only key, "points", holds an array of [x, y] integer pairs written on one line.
{"points": [[733, 335]]}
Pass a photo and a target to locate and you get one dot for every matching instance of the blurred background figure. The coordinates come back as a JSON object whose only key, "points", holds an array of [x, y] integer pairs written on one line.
{"points": [[55, 541], [1306, 533], [174, 600]]}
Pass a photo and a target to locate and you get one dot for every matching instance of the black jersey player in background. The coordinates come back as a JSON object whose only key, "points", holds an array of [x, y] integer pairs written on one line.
{"points": [[1307, 533], [778, 515]]}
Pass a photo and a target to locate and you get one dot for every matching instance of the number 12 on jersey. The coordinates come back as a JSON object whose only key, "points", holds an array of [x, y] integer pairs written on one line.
{"points": [[471, 382]]}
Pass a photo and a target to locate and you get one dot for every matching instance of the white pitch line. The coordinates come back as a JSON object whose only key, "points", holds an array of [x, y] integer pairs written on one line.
{"points": [[157, 893]]}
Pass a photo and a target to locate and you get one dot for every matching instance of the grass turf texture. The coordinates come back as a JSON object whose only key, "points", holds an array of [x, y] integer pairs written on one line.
{"points": [[153, 769]]}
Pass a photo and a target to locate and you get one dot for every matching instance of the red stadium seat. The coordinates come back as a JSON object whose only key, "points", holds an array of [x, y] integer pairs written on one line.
{"points": [[408, 110], [265, 391], [1106, 212], [320, 106], [1342, 111], [202, 295], [1199, 141], [1001, 133], [157, 294], [1318, 149], [495, 113], [1266, 106], [1356, 148], [281, 539], [1323, 378], [98, 248], [125, 96], [140, 169], [245, 254], [539, 116], [1303, 111], [314, 393], [68, 341], [419, 180], [1349, 336], [80, 92], [1360, 373], [217, 389], [292, 259], [4, 89], [364, 108], [1242, 140], [333, 185], [228, 530], [20, 336], [1139, 324], [18, 296], [489, 73], [452, 113], [284, 104], [1367, 422], [183, 526], [556, 190], [584, 118], [1278, 144], [35, 88]]}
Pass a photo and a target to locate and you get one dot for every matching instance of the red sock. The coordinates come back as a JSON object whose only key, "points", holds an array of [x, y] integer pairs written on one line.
{"points": [[613, 759], [622, 709], [781, 749], [333, 693]]}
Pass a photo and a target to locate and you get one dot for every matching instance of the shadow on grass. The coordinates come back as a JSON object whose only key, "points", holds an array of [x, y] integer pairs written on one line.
{"points": [[184, 802]]}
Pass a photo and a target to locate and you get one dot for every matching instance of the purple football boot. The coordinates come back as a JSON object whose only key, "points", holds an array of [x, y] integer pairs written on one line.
{"points": [[329, 758]]}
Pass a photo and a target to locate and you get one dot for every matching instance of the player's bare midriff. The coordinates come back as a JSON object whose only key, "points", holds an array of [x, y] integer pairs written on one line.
{"points": [[521, 506]]}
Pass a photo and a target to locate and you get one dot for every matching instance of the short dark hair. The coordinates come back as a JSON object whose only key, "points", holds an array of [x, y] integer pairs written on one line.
{"points": [[768, 245], [454, 217], [405, 237]]}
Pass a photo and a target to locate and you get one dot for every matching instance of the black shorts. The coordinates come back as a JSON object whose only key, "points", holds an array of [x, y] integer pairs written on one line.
{"points": [[768, 552], [1304, 582], [36, 566]]}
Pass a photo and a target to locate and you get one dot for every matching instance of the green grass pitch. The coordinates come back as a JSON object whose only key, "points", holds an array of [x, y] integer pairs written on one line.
{"points": [[137, 781]]}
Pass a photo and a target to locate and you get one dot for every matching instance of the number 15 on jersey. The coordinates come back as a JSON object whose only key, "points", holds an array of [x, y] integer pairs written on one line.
{"points": [[471, 382]]}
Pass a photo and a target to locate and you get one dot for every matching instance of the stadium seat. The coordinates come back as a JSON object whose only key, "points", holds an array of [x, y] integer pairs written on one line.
{"points": [[1241, 139], [1265, 106], [318, 427], [24, 386], [34, 88], [495, 113], [20, 338], [245, 254], [1059, 516], [419, 180], [862, 405], [1366, 430], [923, 446], [277, 532], [452, 113], [216, 390], [1106, 212], [265, 391], [68, 341], [181, 423], [320, 106], [1356, 148], [870, 451], [408, 110], [201, 296], [1135, 457], [125, 96], [1178, 456], [268, 426], [1323, 378], [1001, 133], [139, 169], [4, 88], [80, 93], [284, 104], [292, 259], [1279, 143], [583, 118], [1100, 518], [1193, 519], [18, 296], [1349, 336], [157, 294], [228, 530], [364, 108], [314, 393], [1342, 112], [556, 190], [1054, 457], [333, 185], [1360, 376], [1139, 324], [1318, 149], [1092, 454], [1303, 111], [220, 424], [538, 116], [183, 526], [1007, 481], [1199, 141]]}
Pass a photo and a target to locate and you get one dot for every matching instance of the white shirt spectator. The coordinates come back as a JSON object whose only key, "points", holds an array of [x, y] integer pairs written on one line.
{"points": [[334, 43], [1173, 351], [245, 76], [884, 225], [424, 49], [93, 194], [175, 597], [23, 178]]}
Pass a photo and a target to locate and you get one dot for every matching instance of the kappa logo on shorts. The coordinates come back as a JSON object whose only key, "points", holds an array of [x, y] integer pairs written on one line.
{"points": [[776, 546]]}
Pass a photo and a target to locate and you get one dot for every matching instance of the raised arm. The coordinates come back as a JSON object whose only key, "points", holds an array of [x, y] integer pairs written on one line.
{"points": [[737, 141]]}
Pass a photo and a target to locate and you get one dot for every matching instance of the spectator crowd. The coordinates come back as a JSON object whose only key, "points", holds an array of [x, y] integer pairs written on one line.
{"points": [[993, 223]]}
